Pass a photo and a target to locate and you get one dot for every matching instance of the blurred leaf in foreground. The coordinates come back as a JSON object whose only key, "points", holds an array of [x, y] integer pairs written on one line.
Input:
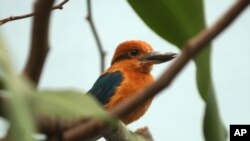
{"points": [[67, 104], [22, 124], [23, 103]]}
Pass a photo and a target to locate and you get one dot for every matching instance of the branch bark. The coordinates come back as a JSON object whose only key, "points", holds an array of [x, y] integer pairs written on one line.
{"points": [[191, 48], [39, 40], [13, 18], [102, 53]]}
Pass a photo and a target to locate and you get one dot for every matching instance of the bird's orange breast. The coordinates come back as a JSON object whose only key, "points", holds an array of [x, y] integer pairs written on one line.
{"points": [[132, 83]]}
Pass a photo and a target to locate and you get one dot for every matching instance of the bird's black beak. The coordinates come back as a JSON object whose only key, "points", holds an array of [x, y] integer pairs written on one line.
{"points": [[157, 57]]}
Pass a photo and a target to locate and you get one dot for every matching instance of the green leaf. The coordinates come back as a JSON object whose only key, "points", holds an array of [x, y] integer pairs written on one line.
{"points": [[213, 128], [23, 103], [174, 20], [22, 124], [177, 21], [2, 62], [68, 104]]}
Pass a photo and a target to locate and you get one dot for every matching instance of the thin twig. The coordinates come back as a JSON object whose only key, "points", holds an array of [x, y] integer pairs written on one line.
{"points": [[97, 39], [59, 5], [39, 43], [192, 48], [13, 18]]}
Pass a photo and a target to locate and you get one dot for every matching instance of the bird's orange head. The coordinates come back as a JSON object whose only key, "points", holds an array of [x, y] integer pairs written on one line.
{"points": [[139, 56]]}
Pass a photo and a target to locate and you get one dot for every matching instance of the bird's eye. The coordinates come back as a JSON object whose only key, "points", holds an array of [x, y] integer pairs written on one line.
{"points": [[134, 52]]}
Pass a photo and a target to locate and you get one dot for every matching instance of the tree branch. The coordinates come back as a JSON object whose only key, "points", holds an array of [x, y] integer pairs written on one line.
{"points": [[97, 39], [93, 127], [13, 18], [192, 48], [39, 42]]}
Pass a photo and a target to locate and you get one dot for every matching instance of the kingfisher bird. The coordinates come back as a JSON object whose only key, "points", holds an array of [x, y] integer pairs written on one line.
{"points": [[129, 73]]}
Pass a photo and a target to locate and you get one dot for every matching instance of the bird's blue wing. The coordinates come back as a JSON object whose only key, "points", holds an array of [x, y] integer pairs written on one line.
{"points": [[105, 86]]}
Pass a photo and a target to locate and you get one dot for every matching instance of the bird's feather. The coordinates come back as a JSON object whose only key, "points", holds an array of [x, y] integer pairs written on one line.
{"points": [[105, 86]]}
